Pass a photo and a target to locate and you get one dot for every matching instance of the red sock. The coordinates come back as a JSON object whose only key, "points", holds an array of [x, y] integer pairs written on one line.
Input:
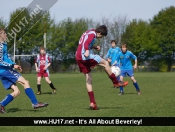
{"points": [[91, 97], [113, 78]]}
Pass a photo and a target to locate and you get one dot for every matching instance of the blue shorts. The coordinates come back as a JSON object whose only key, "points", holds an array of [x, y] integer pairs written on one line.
{"points": [[129, 73], [9, 77], [97, 58]]}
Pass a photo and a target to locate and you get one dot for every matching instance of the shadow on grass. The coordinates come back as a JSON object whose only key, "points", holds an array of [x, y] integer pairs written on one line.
{"points": [[11, 110], [130, 93], [106, 107], [47, 93]]}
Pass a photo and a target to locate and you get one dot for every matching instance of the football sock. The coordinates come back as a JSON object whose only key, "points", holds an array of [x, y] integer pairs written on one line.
{"points": [[52, 86], [91, 97], [29, 92], [7, 100], [121, 89], [136, 86], [113, 78], [39, 87]]}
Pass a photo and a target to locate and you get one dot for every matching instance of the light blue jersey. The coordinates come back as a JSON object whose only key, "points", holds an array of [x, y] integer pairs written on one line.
{"points": [[125, 60], [112, 53], [5, 62]]}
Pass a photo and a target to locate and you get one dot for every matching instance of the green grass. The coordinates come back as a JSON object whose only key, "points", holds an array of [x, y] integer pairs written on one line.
{"points": [[156, 100]]}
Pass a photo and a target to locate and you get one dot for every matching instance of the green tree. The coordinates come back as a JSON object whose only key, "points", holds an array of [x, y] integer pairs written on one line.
{"points": [[64, 40], [164, 24], [3, 23], [141, 39]]}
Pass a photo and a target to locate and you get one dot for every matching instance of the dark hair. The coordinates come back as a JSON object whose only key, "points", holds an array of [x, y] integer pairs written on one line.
{"points": [[124, 45], [102, 29], [113, 41]]}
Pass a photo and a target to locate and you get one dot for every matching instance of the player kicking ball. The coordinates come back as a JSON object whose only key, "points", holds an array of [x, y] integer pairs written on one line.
{"points": [[126, 67], [86, 60], [42, 62], [9, 77]]}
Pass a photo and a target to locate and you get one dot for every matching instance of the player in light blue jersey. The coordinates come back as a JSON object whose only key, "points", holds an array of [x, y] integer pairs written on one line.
{"points": [[112, 53], [9, 77], [124, 57]]}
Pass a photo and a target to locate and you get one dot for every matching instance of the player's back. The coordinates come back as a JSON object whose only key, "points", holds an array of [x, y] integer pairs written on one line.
{"points": [[86, 41]]}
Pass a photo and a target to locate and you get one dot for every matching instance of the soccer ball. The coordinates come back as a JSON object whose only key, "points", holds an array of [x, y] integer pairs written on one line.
{"points": [[116, 70]]}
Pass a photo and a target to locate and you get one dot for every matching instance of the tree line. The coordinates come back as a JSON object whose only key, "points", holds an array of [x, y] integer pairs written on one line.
{"points": [[152, 41]]}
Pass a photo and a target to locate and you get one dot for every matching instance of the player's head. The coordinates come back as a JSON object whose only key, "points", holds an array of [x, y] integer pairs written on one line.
{"points": [[113, 43], [101, 31], [42, 50], [124, 48], [3, 35]]}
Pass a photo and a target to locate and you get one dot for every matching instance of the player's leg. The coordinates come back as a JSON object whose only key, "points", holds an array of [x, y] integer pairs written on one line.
{"points": [[46, 75], [131, 74], [84, 66], [121, 87], [29, 92], [111, 75], [93, 105], [39, 85], [50, 84], [9, 98], [136, 85]]}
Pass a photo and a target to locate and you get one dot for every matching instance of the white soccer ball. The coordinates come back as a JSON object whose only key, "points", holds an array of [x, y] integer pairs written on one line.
{"points": [[116, 70]]}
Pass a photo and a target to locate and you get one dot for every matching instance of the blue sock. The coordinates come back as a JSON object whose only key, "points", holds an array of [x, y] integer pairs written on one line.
{"points": [[29, 92], [136, 86], [118, 78], [7, 100], [121, 89]]}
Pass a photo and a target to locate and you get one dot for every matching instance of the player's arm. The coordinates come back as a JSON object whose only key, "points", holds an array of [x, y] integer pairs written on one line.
{"points": [[88, 41], [135, 58], [36, 67], [36, 64], [95, 47], [49, 63], [117, 60], [7, 64], [108, 56], [135, 65], [47, 66]]}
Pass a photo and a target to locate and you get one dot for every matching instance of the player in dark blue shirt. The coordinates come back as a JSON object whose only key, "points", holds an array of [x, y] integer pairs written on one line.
{"points": [[124, 57]]}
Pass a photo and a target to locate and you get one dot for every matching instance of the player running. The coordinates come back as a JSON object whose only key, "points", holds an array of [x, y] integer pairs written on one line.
{"points": [[86, 60], [42, 62], [9, 77], [124, 58]]}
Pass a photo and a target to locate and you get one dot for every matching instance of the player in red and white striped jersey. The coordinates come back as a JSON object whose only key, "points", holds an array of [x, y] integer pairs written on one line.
{"points": [[42, 62], [87, 60]]}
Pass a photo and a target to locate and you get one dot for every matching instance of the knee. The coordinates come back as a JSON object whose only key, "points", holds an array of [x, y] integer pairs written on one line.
{"points": [[16, 92], [133, 79], [89, 80], [106, 63], [38, 81], [26, 82], [48, 81]]}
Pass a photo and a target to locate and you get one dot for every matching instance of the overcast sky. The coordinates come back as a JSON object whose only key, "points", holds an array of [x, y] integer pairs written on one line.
{"points": [[95, 9]]}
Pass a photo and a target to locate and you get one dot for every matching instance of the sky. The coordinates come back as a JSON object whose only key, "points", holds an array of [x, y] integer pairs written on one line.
{"points": [[95, 9]]}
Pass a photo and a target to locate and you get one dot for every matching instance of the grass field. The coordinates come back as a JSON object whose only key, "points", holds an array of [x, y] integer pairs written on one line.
{"points": [[156, 100]]}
